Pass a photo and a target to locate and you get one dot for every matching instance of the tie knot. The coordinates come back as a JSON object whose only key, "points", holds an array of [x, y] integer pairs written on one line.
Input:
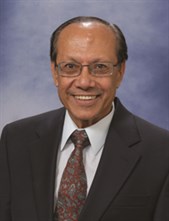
{"points": [[80, 138]]}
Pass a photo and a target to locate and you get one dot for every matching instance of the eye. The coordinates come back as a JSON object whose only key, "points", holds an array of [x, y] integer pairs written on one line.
{"points": [[100, 66], [70, 66]]}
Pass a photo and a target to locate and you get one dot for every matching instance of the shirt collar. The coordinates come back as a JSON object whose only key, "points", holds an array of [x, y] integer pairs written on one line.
{"points": [[98, 130]]}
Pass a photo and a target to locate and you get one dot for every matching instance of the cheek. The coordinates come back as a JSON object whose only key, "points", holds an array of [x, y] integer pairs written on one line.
{"points": [[62, 94], [62, 83], [109, 92], [61, 90], [63, 86], [109, 86]]}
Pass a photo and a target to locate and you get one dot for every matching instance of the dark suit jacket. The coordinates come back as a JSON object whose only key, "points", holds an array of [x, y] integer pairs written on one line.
{"points": [[131, 182]]}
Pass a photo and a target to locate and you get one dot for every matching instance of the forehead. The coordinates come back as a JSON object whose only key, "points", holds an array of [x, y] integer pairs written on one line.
{"points": [[86, 31]]}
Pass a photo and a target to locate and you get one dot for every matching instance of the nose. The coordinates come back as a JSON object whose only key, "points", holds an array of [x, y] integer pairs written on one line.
{"points": [[85, 79]]}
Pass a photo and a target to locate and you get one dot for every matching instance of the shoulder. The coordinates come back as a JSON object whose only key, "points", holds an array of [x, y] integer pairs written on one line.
{"points": [[127, 121], [45, 120], [151, 131], [146, 126]]}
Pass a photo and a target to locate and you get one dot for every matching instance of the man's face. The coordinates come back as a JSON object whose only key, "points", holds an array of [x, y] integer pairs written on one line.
{"points": [[86, 97]]}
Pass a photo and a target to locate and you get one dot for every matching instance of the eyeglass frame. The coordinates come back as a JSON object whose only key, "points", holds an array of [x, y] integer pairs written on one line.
{"points": [[86, 65]]}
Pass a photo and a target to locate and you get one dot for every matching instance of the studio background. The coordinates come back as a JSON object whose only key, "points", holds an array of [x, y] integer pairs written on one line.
{"points": [[26, 85]]}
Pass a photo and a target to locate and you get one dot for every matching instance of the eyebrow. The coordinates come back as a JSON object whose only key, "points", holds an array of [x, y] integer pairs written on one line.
{"points": [[71, 59]]}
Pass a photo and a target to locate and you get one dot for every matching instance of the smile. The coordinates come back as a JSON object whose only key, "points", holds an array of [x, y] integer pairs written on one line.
{"points": [[84, 97]]}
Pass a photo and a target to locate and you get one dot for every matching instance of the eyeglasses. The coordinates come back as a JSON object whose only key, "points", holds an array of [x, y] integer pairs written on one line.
{"points": [[73, 69]]}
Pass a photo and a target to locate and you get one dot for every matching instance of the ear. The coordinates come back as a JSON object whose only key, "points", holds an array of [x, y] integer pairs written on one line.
{"points": [[54, 73], [120, 74]]}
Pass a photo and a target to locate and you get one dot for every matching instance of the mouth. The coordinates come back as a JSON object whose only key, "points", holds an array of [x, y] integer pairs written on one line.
{"points": [[85, 97]]}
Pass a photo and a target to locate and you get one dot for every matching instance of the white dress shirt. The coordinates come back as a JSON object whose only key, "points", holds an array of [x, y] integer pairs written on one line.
{"points": [[91, 155]]}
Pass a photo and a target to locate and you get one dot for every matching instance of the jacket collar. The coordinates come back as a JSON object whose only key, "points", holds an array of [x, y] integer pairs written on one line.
{"points": [[43, 155], [118, 160]]}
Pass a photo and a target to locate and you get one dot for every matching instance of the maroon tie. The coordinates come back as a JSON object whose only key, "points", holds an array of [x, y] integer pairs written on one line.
{"points": [[73, 186]]}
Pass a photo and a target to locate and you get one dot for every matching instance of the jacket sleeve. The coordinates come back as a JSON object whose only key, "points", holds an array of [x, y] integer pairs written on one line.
{"points": [[162, 209], [4, 180]]}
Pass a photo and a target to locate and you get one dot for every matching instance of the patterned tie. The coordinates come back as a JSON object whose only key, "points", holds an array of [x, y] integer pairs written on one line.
{"points": [[73, 186]]}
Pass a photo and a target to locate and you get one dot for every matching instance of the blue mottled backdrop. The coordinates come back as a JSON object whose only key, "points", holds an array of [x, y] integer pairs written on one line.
{"points": [[26, 86]]}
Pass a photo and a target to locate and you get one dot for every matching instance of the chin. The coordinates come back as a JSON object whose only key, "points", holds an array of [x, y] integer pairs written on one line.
{"points": [[85, 120]]}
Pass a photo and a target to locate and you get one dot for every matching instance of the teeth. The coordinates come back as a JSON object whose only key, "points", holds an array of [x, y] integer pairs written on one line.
{"points": [[85, 97]]}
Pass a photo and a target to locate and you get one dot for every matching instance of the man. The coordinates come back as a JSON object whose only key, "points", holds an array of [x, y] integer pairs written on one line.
{"points": [[125, 165]]}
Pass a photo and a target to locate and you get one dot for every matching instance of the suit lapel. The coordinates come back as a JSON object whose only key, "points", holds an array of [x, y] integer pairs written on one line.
{"points": [[116, 164], [43, 153]]}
